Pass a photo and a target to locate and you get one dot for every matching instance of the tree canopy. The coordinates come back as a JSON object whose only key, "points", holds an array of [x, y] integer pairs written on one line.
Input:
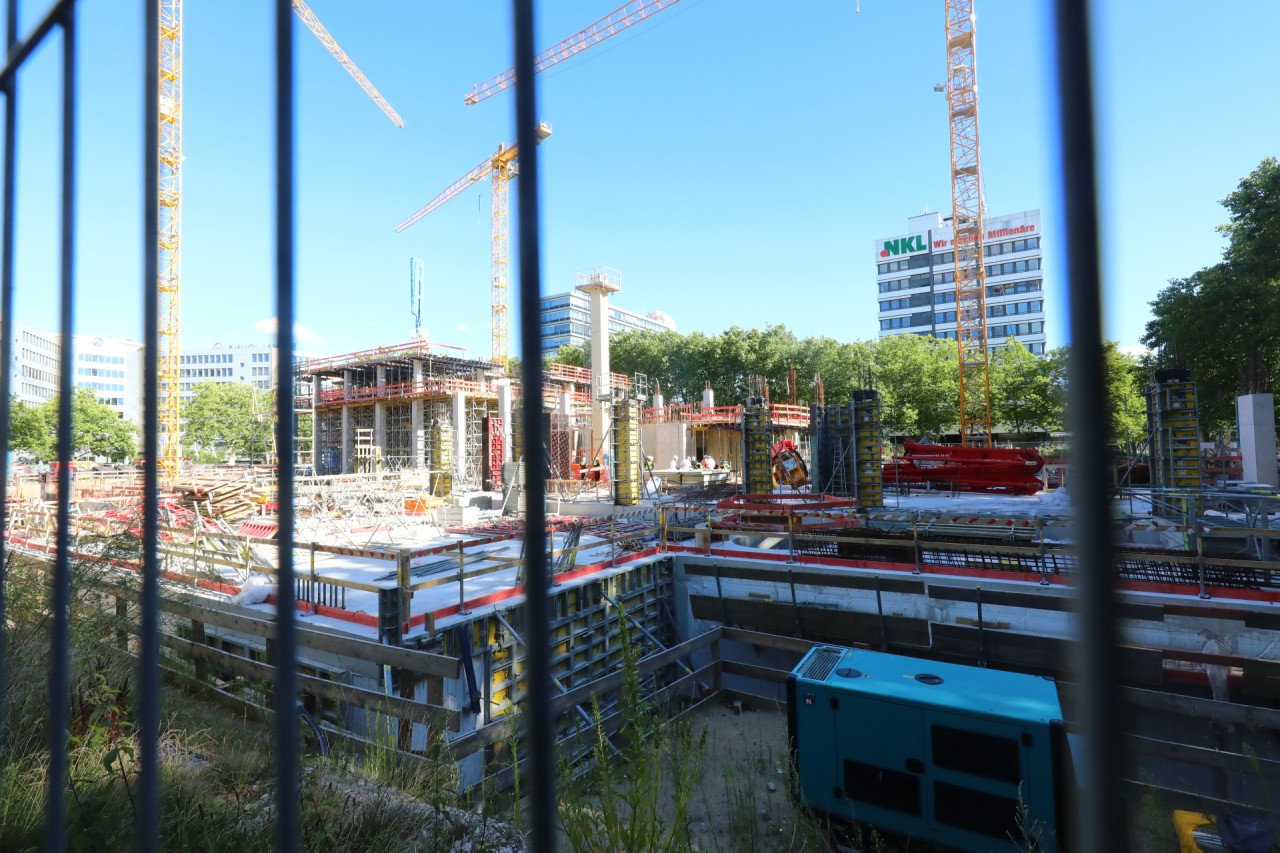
{"points": [[96, 429], [1220, 321], [916, 376], [227, 417]]}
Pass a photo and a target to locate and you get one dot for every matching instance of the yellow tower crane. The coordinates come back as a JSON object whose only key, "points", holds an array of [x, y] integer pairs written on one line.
{"points": [[170, 236], [631, 12], [502, 166], [968, 230]]}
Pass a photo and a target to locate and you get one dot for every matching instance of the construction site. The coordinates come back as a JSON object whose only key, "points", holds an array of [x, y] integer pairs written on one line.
{"points": [[734, 543]]}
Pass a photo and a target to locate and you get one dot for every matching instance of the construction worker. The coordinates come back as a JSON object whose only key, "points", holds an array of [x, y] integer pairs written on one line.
{"points": [[725, 466]]}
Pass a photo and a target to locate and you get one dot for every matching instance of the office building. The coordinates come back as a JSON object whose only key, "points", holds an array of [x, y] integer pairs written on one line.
{"points": [[112, 367], [915, 280], [566, 317]]}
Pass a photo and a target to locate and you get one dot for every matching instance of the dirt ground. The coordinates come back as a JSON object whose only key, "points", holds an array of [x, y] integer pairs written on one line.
{"points": [[743, 804]]}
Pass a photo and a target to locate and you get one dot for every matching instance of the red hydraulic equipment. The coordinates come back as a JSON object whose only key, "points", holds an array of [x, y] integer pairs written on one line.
{"points": [[1002, 470]]}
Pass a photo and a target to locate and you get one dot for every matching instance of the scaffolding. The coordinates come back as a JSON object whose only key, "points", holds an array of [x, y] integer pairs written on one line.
{"points": [[475, 411], [329, 441], [626, 453], [304, 425], [1173, 428], [757, 447], [398, 436]]}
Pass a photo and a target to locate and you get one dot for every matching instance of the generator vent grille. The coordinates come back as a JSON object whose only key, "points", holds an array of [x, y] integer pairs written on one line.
{"points": [[824, 660]]}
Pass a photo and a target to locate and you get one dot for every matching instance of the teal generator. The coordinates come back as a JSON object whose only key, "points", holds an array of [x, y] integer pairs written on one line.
{"points": [[955, 756]]}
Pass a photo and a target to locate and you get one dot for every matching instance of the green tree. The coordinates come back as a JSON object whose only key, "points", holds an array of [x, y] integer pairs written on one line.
{"points": [[1126, 403], [919, 385], [28, 430], [96, 430], [227, 417], [1220, 321], [1023, 397]]}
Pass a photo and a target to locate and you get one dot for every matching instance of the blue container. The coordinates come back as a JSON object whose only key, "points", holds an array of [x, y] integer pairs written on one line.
{"points": [[944, 753]]}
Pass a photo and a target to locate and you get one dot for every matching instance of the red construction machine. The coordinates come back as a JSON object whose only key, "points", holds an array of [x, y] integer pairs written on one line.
{"points": [[1001, 470]]}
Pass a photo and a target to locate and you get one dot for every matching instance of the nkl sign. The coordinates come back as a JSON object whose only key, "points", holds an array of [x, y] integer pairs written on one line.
{"points": [[903, 246]]}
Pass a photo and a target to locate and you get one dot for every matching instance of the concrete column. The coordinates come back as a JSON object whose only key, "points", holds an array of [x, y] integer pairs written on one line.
{"points": [[1256, 415], [415, 418], [348, 434], [459, 420], [504, 412], [380, 411], [566, 402], [599, 283], [659, 402], [708, 397]]}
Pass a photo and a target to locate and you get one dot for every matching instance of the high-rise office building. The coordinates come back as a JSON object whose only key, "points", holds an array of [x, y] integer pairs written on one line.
{"points": [[915, 280]]}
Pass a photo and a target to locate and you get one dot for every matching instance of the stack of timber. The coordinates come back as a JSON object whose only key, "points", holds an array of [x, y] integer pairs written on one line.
{"points": [[231, 500]]}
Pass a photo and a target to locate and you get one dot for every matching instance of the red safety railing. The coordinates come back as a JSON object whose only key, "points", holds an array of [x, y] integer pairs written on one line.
{"points": [[781, 415], [314, 365], [399, 390]]}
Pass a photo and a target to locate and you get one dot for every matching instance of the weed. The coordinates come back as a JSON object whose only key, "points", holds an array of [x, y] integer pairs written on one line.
{"points": [[640, 799]]}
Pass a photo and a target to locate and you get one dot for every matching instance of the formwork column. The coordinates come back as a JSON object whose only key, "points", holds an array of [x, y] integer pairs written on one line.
{"points": [[626, 453], [441, 458], [380, 410], [348, 433], [415, 418], [504, 412], [757, 447], [868, 448], [459, 421], [1174, 425]]}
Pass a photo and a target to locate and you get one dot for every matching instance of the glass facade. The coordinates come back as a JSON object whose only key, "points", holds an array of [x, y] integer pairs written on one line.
{"points": [[566, 321]]}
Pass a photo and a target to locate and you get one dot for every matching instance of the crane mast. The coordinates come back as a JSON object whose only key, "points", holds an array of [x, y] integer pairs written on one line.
{"points": [[967, 215], [169, 238], [501, 167], [610, 25]]}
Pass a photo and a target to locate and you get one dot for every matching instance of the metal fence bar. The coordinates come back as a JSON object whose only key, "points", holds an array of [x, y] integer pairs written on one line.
{"points": [[149, 639], [286, 719], [542, 745], [9, 89], [20, 51], [60, 594], [1101, 824]]}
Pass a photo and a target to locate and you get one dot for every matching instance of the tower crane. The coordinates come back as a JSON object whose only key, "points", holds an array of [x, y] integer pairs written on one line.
{"points": [[968, 230], [610, 25], [502, 166], [169, 238]]}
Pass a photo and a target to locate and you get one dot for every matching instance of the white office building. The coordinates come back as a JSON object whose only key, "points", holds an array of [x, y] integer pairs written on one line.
{"points": [[249, 364], [566, 318], [34, 372], [915, 280], [112, 367]]}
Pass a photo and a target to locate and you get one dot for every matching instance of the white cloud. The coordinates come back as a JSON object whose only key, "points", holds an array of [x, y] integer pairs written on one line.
{"points": [[1135, 350], [463, 327], [301, 333]]}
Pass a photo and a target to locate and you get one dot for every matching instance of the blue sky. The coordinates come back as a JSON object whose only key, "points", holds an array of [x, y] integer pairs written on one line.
{"points": [[734, 160]]}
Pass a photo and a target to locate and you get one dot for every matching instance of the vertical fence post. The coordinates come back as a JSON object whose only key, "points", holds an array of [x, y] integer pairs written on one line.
{"points": [[542, 748], [1101, 825], [60, 594], [286, 718]]}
